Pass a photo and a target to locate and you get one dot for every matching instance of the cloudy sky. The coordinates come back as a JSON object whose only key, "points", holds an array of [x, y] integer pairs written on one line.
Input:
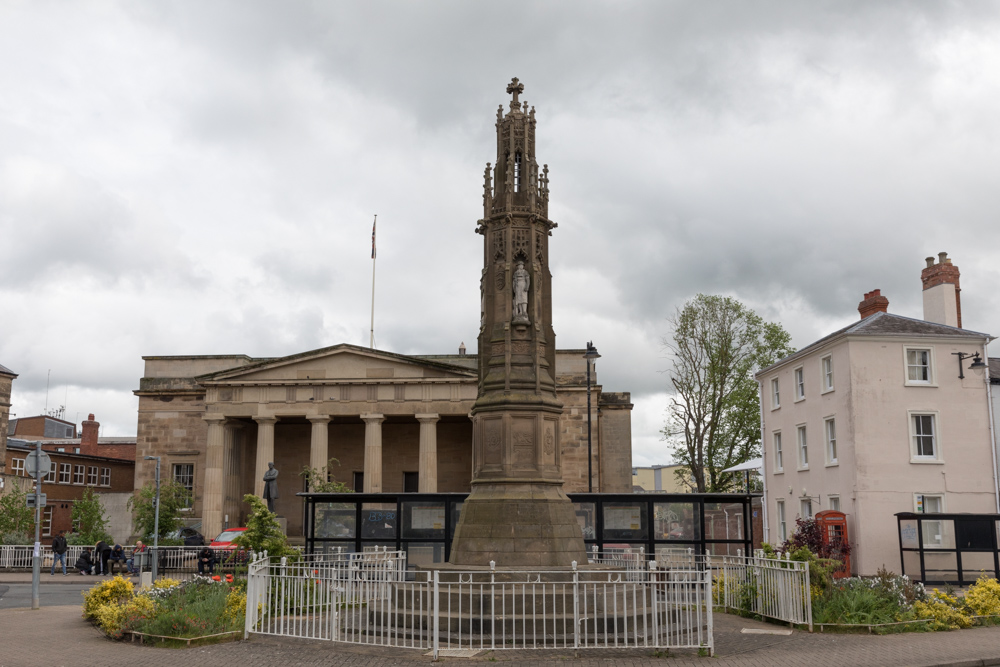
{"points": [[200, 178]]}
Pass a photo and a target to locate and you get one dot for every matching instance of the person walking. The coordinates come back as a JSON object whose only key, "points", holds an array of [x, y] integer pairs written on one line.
{"points": [[59, 553], [85, 563]]}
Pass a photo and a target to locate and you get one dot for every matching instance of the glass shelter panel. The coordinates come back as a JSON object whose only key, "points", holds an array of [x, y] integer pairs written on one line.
{"points": [[586, 514], [625, 522], [378, 521], [336, 520], [724, 521], [677, 521], [423, 520]]}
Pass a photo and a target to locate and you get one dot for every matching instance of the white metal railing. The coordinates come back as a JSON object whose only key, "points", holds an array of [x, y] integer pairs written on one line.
{"points": [[359, 600], [774, 588]]}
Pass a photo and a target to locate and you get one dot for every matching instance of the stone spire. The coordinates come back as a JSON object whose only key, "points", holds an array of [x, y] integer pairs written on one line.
{"points": [[517, 513]]}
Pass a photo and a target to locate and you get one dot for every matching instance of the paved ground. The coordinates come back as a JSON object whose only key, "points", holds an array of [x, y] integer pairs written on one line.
{"points": [[58, 635]]}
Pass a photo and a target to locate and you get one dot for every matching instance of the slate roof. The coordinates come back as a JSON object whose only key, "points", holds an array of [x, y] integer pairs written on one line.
{"points": [[7, 371], [885, 324]]}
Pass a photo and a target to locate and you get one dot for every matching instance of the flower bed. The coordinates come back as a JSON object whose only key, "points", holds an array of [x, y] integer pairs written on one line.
{"points": [[198, 609], [892, 603]]}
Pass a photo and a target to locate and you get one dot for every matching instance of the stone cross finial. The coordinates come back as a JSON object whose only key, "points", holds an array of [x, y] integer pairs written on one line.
{"points": [[514, 88]]}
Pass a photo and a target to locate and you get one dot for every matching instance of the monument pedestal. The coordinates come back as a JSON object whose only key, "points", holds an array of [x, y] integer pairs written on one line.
{"points": [[283, 524], [518, 525]]}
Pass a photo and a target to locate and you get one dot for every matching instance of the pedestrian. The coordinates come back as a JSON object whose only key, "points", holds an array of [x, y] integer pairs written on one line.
{"points": [[59, 553], [85, 563], [117, 557], [101, 554], [206, 561], [132, 564]]}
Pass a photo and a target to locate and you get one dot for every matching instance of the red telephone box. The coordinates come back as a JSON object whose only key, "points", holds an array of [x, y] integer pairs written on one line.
{"points": [[833, 527]]}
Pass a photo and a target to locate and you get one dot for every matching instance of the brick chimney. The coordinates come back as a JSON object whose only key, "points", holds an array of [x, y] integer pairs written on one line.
{"points": [[88, 436], [942, 295], [873, 303]]}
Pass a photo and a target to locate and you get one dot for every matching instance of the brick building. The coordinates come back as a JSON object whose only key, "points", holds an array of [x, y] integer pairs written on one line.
{"points": [[6, 379], [71, 474]]}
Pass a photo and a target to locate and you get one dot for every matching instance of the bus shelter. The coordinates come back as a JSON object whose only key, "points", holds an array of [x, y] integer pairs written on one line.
{"points": [[423, 524], [948, 548]]}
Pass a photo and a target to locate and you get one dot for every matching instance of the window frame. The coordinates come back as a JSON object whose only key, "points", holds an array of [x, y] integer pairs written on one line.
{"points": [[931, 366], [779, 456], [779, 510], [830, 499], [18, 470], [47, 521], [802, 446], [803, 502], [105, 476], [920, 507], [65, 473], [936, 457], [775, 394], [827, 378], [173, 477], [92, 475], [830, 443], [799, 380], [79, 472]]}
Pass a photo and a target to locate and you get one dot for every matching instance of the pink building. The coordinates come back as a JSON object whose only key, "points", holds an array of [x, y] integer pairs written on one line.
{"points": [[875, 419]]}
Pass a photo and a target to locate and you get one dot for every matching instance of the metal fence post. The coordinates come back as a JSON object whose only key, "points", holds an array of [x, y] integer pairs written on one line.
{"points": [[809, 599], [436, 612], [576, 607]]}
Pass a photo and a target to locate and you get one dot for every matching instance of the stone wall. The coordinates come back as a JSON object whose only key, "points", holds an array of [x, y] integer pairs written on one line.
{"points": [[172, 428]]}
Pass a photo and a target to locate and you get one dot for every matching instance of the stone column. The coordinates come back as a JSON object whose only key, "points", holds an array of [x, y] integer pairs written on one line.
{"points": [[428, 453], [265, 451], [211, 507], [319, 447], [373, 452], [232, 471]]}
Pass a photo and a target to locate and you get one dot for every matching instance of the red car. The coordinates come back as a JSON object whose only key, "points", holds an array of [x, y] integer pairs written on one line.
{"points": [[224, 548]]}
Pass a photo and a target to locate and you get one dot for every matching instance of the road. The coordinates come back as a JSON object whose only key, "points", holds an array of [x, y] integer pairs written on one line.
{"points": [[13, 596]]}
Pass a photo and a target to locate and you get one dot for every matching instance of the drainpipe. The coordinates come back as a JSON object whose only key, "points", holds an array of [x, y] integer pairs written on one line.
{"points": [[993, 437], [763, 469]]}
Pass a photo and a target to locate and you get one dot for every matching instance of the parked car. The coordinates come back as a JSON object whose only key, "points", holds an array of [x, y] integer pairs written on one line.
{"points": [[225, 550]]}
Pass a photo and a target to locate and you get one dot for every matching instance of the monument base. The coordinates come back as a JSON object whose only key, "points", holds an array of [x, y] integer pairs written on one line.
{"points": [[518, 525], [283, 524]]}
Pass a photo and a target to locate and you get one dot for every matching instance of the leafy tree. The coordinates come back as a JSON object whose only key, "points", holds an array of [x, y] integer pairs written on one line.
{"points": [[263, 531], [89, 520], [173, 499], [713, 420], [17, 520], [322, 481]]}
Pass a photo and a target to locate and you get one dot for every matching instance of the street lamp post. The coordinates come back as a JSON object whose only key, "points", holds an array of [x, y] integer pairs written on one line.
{"points": [[156, 515], [590, 355]]}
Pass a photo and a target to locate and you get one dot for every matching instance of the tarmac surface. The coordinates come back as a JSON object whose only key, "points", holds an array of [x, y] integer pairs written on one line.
{"points": [[58, 635]]}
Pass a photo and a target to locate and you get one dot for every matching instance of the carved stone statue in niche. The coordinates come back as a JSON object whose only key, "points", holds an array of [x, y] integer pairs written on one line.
{"points": [[521, 283]]}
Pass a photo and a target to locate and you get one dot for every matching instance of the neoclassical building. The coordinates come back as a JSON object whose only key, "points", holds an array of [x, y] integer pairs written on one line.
{"points": [[394, 423]]}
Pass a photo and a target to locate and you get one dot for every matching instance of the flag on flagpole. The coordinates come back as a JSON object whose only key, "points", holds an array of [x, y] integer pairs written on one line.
{"points": [[373, 237]]}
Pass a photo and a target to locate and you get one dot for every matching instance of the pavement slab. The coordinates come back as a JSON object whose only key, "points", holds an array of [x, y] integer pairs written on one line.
{"points": [[59, 635]]}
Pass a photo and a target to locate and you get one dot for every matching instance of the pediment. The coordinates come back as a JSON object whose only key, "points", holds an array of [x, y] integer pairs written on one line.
{"points": [[341, 362]]}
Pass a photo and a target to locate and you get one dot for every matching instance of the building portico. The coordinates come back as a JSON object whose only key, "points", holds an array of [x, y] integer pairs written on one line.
{"points": [[386, 423]]}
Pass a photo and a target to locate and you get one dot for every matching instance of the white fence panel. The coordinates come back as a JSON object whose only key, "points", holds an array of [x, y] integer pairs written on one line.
{"points": [[773, 588], [362, 599]]}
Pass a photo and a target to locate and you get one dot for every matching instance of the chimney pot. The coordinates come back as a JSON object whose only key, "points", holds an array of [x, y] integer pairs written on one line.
{"points": [[943, 258], [873, 303], [930, 262], [461, 349]]}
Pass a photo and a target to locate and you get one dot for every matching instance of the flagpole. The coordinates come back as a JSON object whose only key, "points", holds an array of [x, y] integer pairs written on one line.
{"points": [[371, 342]]}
